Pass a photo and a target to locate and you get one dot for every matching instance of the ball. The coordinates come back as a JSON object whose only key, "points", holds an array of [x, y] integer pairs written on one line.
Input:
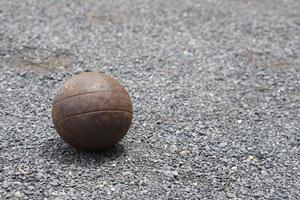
{"points": [[92, 111]]}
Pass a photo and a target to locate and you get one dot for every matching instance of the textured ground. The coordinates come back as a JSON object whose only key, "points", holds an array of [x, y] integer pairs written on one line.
{"points": [[215, 86]]}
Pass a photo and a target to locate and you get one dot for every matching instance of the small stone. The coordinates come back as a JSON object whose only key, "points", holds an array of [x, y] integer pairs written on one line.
{"points": [[55, 183], [142, 183], [18, 194], [223, 144], [233, 170], [39, 176], [28, 192], [59, 198], [231, 195], [31, 187], [250, 157], [127, 173], [257, 195], [264, 172], [17, 183], [24, 169], [5, 184], [171, 173], [182, 153], [175, 173]]}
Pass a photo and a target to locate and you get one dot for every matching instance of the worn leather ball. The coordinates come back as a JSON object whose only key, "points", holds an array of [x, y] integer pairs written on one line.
{"points": [[92, 111]]}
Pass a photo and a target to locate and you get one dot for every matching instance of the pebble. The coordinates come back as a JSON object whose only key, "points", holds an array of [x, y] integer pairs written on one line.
{"points": [[223, 144], [231, 195], [18, 194], [5, 184]]}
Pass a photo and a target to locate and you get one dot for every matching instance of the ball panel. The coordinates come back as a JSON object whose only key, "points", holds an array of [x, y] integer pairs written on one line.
{"points": [[95, 130], [98, 101], [88, 82]]}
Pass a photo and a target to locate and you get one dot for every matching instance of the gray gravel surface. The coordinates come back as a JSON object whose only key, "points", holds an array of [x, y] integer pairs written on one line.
{"points": [[215, 86]]}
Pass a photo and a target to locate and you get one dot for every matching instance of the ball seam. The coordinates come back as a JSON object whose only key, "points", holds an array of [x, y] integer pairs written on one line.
{"points": [[89, 112], [60, 100]]}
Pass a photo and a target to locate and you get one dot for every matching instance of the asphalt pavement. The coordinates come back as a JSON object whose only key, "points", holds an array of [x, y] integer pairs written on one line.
{"points": [[215, 86]]}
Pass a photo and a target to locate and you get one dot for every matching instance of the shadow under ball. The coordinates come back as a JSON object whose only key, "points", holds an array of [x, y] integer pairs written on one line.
{"points": [[92, 111]]}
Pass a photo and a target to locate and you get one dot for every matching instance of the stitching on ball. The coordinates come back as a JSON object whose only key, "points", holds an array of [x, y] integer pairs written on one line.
{"points": [[96, 111], [82, 94]]}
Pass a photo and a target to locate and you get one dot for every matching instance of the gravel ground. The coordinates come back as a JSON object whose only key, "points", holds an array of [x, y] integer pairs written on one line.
{"points": [[215, 86]]}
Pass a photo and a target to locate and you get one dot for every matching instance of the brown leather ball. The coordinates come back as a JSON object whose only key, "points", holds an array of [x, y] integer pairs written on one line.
{"points": [[92, 111]]}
